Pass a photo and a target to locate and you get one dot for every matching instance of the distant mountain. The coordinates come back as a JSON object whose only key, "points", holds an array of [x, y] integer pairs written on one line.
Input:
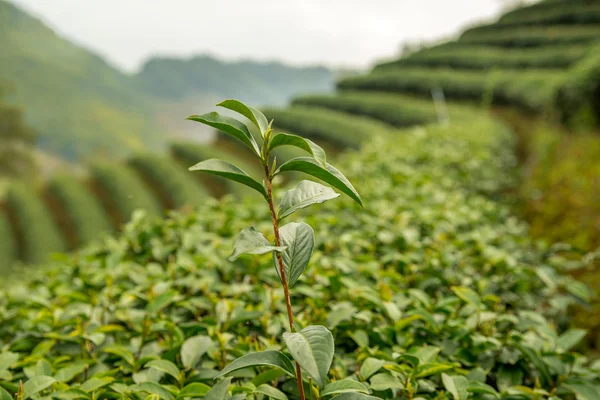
{"points": [[80, 105], [84, 108], [257, 83]]}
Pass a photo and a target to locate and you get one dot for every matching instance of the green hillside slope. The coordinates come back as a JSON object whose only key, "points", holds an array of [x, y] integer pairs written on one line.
{"points": [[79, 104], [255, 83]]}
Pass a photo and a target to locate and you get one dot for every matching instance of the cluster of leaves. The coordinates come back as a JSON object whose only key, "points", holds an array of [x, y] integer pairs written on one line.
{"points": [[122, 192], [478, 57], [37, 234], [78, 211], [168, 180], [433, 291], [531, 36], [331, 127], [396, 110], [528, 89]]}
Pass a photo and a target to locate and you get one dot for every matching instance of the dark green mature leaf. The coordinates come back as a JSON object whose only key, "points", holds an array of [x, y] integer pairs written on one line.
{"points": [[269, 358], [583, 390], [94, 384], [250, 241], [255, 116], [482, 388], [193, 349], [271, 392], [230, 126], [165, 366], [286, 139], [355, 396], [303, 195], [299, 240], [155, 388], [344, 386], [312, 348], [328, 174], [457, 385], [219, 391], [537, 361], [194, 389], [37, 384], [229, 171]]}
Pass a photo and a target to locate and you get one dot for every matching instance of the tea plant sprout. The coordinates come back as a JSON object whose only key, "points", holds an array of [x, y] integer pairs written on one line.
{"points": [[311, 348]]}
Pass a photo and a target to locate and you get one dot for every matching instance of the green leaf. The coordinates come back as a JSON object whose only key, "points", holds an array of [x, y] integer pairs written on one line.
{"points": [[161, 301], [43, 368], [312, 348], [344, 386], [286, 139], [508, 376], [36, 385], [267, 376], [193, 349], [4, 395], [570, 339], [67, 373], [219, 391], [96, 383], [165, 366], [121, 352], [255, 116], [269, 358], [229, 171], [369, 367], [155, 388], [468, 295], [249, 241], [457, 385], [271, 392], [195, 389], [482, 388], [355, 396], [231, 126], [299, 240], [427, 369], [538, 362], [385, 381], [7, 359], [582, 389], [303, 195], [328, 174]]}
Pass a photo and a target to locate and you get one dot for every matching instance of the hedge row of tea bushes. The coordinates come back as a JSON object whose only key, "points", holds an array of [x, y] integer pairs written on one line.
{"points": [[531, 36], [477, 57], [431, 277], [581, 14], [549, 11], [532, 90], [77, 211], [73, 211]]}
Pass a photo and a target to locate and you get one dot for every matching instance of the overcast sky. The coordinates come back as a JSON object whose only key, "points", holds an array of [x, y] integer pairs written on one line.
{"points": [[339, 33]]}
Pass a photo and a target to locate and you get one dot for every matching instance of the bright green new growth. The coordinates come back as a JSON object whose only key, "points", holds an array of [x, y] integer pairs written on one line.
{"points": [[312, 348]]}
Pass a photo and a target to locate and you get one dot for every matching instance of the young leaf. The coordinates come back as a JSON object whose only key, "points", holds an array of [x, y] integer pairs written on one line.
{"points": [[468, 296], [369, 367], [269, 358], [36, 384], [4, 395], [228, 170], [230, 126], [303, 195], [286, 139], [155, 388], [193, 349], [270, 392], [299, 240], [94, 384], [312, 348], [328, 174], [249, 241], [219, 391], [457, 385], [344, 386], [255, 116], [165, 366]]}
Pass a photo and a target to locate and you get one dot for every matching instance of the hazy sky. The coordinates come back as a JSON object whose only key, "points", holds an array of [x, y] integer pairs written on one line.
{"points": [[351, 33]]}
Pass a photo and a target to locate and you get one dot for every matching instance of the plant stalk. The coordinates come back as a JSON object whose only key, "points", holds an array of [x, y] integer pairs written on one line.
{"points": [[286, 289]]}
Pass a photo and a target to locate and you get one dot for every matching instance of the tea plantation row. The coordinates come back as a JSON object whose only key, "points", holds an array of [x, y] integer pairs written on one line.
{"points": [[432, 277]]}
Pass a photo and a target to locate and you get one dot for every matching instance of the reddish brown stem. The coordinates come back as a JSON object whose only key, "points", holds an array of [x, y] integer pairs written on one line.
{"points": [[286, 289]]}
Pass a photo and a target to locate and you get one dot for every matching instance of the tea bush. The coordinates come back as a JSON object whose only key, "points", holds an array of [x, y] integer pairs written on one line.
{"points": [[169, 180], [433, 291], [122, 192], [83, 214], [37, 233], [550, 11], [531, 36], [8, 246]]}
